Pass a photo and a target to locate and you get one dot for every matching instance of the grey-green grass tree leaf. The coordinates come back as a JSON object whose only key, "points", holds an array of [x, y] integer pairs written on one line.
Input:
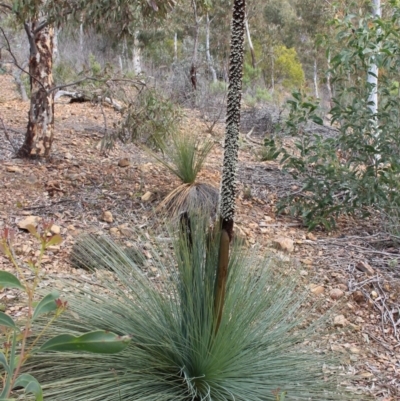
{"points": [[7, 321]]}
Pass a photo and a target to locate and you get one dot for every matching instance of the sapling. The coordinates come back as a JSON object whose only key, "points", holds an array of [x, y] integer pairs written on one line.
{"points": [[19, 343]]}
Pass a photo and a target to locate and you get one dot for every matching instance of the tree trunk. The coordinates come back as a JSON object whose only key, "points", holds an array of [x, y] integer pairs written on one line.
{"points": [[373, 69], [253, 56], [208, 55], [175, 47], [193, 67], [328, 79], [40, 130], [316, 91], [136, 55], [228, 181]]}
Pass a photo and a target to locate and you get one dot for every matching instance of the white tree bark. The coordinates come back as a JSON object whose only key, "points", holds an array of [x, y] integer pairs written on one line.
{"points": [[328, 78], [136, 55], [175, 47], [316, 91], [208, 55], [250, 42], [373, 70]]}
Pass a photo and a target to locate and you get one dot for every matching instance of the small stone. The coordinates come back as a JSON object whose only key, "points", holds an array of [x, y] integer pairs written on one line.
{"points": [[125, 162], [147, 196], [304, 273], [340, 321], [284, 244], [307, 262], [55, 229], [336, 293], [374, 294], [354, 350], [268, 219], [311, 237], [29, 221], [114, 231], [107, 217], [358, 296], [14, 169], [318, 290], [366, 268], [343, 287], [71, 227]]}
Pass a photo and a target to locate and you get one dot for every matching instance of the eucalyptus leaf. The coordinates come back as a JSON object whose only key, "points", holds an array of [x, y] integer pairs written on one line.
{"points": [[97, 342], [30, 384], [47, 304], [7, 321], [8, 280]]}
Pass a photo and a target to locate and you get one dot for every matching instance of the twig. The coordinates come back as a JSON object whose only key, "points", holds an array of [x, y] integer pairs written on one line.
{"points": [[7, 136], [52, 204]]}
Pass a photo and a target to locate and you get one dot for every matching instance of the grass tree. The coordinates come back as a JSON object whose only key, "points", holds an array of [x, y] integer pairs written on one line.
{"points": [[39, 19], [197, 334], [184, 156]]}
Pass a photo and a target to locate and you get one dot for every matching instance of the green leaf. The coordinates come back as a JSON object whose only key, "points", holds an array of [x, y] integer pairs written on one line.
{"points": [[3, 361], [8, 280], [32, 230], [7, 321], [54, 240], [97, 342], [47, 304], [30, 384]]}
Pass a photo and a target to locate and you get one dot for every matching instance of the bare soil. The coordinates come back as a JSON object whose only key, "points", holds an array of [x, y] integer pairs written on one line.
{"points": [[78, 184]]}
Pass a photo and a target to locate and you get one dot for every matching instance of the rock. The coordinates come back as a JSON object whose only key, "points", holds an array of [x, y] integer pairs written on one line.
{"points": [[55, 229], [114, 231], [107, 217], [354, 350], [304, 273], [343, 287], [366, 268], [147, 196], [125, 162], [71, 227], [284, 244], [311, 237], [14, 169], [374, 294], [68, 156], [340, 321], [29, 221], [336, 293], [318, 290]]}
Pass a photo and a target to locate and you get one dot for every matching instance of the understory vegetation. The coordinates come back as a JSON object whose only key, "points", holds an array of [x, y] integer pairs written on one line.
{"points": [[177, 352], [356, 169]]}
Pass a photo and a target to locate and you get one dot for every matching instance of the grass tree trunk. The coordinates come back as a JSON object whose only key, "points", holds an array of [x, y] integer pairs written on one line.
{"points": [[40, 130], [228, 182]]}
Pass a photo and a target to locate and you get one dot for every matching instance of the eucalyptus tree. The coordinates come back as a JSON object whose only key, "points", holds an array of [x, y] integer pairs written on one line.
{"points": [[38, 19]]}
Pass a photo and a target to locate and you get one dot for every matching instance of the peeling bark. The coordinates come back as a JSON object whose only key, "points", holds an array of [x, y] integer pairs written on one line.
{"points": [[40, 130]]}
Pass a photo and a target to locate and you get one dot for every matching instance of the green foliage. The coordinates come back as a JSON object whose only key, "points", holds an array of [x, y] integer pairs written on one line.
{"points": [[176, 354], [359, 167], [19, 342], [184, 155], [150, 118], [288, 69]]}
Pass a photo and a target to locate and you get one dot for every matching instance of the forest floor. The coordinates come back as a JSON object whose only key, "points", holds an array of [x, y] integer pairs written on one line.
{"points": [[356, 268]]}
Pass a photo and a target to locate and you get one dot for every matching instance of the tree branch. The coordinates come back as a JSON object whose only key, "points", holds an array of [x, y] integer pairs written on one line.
{"points": [[7, 136]]}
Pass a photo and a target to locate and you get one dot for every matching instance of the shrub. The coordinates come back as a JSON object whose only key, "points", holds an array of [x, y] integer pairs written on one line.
{"points": [[149, 118], [176, 352]]}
